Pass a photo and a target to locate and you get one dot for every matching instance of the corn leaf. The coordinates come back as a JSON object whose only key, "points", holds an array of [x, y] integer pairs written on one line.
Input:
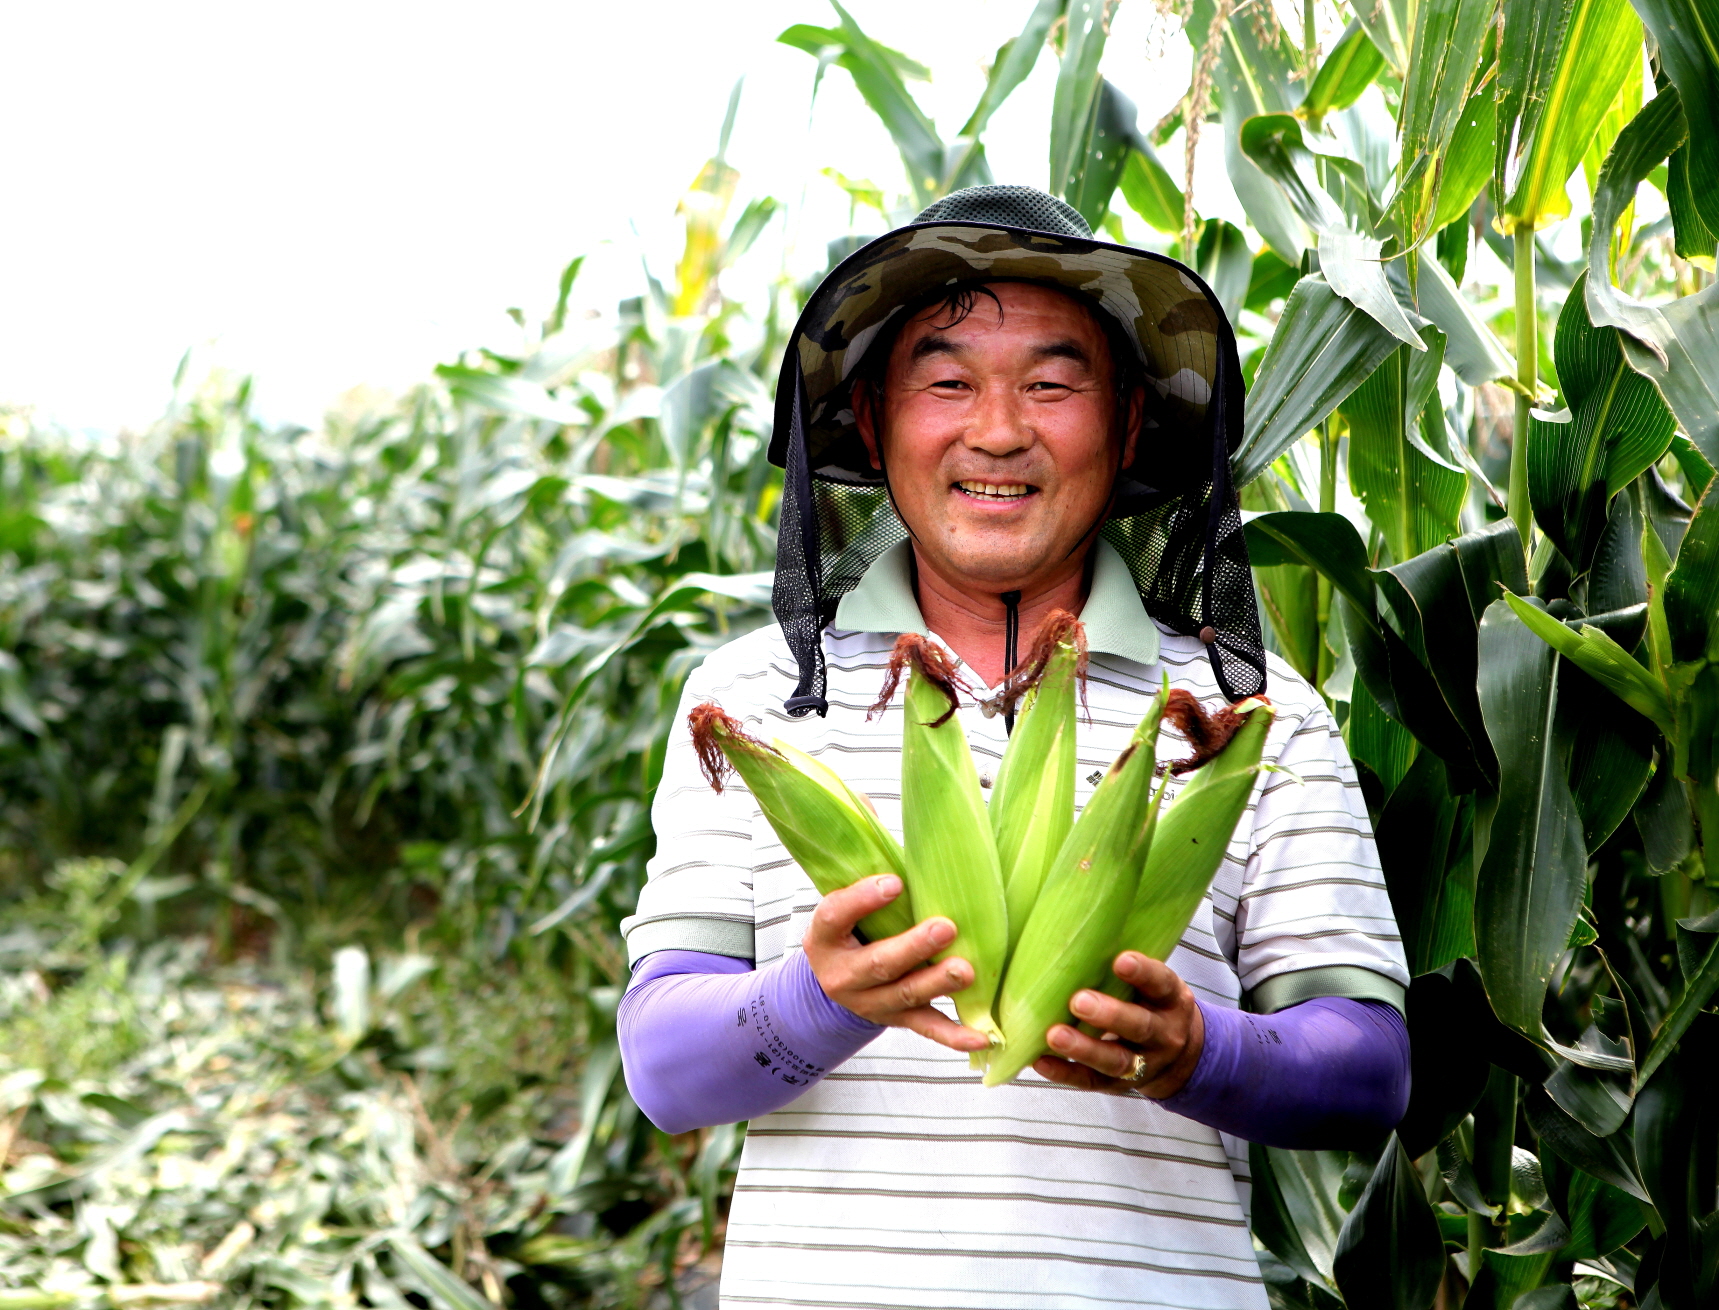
{"points": [[1677, 344], [1387, 23], [1015, 61], [1471, 348], [1224, 260], [1686, 37], [1606, 1158], [1533, 869], [1614, 426], [1531, 40], [1075, 100], [1414, 834], [1599, 44], [1324, 348], [1436, 601], [1691, 237], [1103, 153], [1390, 1252], [1603, 660], [1445, 56], [1348, 259], [1692, 589], [877, 72], [1325, 542], [1147, 188], [1304, 1214], [1468, 160], [445, 1289], [1253, 77], [1352, 66], [1411, 488]]}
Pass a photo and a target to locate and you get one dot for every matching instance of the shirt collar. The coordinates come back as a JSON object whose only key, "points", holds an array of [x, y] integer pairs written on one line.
{"points": [[1116, 620]]}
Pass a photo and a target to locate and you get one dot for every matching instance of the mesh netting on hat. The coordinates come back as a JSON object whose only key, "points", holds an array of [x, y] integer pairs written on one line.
{"points": [[1010, 206], [1182, 544]]}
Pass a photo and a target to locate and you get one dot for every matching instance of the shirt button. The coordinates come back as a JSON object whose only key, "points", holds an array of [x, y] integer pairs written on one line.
{"points": [[1208, 634]]}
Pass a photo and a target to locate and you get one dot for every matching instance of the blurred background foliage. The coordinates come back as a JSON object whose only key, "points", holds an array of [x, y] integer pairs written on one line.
{"points": [[326, 756]]}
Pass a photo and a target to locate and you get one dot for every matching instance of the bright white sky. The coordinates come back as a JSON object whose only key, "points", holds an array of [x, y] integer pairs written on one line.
{"points": [[329, 194]]}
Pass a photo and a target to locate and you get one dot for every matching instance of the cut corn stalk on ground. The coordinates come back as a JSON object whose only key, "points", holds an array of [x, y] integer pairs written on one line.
{"points": [[828, 828], [1072, 932], [952, 861], [1032, 804]]}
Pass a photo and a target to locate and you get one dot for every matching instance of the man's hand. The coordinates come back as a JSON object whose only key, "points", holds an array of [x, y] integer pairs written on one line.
{"points": [[889, 981], [1165, 1029]]}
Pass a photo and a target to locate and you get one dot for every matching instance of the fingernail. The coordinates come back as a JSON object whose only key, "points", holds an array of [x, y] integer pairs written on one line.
{"points": [[1131, 961], [1059, 1039], [889, 885], [942, 932], [956, 975], [1082, 1004]]}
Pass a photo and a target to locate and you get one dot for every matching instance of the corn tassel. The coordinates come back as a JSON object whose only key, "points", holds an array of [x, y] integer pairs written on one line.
{"points": [[946, 833], [828, 828], [1032, 804], [1192, 836], [1072, 933]]}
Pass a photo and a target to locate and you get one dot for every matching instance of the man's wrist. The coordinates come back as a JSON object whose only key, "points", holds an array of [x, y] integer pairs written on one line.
{"points": [[1180, 1071], [830, 1012]]}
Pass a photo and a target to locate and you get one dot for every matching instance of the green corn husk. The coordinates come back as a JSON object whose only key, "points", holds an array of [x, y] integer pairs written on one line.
{"points": [[1032, 804], [1071, 935], [826, 826], [1192, 836], [946, 833]]}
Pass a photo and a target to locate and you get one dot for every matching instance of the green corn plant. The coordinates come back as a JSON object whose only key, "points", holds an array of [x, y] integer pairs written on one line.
{"points": [[1546, 861]]}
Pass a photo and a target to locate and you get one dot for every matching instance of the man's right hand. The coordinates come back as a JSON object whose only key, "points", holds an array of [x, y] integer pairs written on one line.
{"points": [[888, 982]]}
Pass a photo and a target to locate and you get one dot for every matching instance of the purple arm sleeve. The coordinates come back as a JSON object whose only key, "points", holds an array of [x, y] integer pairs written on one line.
{"points": [[1327, 1073], [708, 1039]]}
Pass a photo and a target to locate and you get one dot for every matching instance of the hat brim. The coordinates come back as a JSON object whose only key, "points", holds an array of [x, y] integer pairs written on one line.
{"points": [[1164, 307]]}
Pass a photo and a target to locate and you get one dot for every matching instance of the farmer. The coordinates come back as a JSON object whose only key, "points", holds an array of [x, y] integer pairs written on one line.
{"points": [[984, 416]]}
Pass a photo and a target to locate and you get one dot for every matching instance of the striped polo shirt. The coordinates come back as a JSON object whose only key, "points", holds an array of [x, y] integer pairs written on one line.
{"points": [[899, 1180]]}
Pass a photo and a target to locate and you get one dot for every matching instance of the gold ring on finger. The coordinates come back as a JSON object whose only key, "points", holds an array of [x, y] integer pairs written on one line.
{"points": [[1136, 1070]]}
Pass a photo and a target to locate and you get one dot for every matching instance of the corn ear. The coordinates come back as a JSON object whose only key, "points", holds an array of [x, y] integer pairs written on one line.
{"points": [[1032, 803], [946, 833], [1191, 838], [1071, 935], [827, 827]]}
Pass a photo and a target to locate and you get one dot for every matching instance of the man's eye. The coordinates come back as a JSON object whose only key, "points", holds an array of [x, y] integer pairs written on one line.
{"points": [[1048, 386], [951, 383]]}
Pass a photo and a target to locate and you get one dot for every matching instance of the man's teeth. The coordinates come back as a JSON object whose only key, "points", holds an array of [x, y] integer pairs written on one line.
{"points": [[995, 490]]}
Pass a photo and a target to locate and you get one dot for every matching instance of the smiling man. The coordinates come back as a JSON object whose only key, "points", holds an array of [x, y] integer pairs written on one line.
{"points": [[982, 417]]}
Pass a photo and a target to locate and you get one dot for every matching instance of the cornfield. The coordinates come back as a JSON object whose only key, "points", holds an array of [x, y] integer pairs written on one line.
{"points": [[326, 756]]}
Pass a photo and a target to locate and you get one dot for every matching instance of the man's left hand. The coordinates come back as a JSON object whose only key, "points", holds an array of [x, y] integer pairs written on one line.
{"points": [[1162, 1025]]}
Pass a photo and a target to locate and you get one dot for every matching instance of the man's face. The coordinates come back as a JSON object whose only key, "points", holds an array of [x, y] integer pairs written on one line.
{"points": [[998, 435]]}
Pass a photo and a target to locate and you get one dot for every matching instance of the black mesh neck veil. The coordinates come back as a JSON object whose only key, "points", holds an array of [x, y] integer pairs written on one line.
{"points": [[1182, 541]]}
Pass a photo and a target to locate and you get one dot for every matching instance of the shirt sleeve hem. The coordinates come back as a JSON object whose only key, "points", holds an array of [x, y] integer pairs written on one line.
{"points": [[1351, 981], [690, 933]]}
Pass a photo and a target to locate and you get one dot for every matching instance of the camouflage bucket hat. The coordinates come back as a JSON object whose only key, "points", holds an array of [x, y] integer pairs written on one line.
{"points": [[1174, 518]]}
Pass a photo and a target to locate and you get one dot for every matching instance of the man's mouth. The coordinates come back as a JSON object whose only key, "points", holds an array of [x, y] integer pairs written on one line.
{"points": [[995, 491]]}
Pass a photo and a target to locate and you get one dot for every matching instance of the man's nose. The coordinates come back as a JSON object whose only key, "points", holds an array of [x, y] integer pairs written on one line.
{"points": [[999, 425]]}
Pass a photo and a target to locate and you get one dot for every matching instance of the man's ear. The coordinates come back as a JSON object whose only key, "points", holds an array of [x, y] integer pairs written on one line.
{"points": [[865, 419], [1136, 416]]}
